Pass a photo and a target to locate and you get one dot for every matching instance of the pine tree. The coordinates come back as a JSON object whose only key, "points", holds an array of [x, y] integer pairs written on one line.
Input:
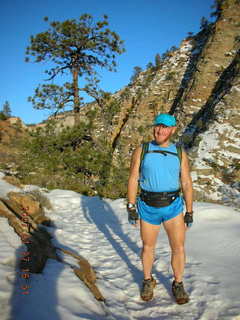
{"points": [[136, 71], [51, 96], [77, 47], [204, 23], [173, 48], [158, 61], [217, 6], [6, 109], [149, 65], [165, 55]]}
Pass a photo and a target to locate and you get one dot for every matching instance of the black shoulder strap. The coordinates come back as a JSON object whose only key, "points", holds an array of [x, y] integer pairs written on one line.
{"points": [[179, 152], [145, 147]]}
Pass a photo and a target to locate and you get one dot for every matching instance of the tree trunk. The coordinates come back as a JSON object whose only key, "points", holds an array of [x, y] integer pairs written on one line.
{"points": [[76, 100]]}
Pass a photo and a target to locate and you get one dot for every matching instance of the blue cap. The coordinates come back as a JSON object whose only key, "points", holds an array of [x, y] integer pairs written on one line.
{"points": [[166, 119]]}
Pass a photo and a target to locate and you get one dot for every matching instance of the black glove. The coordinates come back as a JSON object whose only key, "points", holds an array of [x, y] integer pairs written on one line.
{"points": [[188, 219], [132, 213]]}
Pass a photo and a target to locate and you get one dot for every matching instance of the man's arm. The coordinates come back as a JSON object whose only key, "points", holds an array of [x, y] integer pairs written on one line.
{"points": [[133, 176], [186, 182]]}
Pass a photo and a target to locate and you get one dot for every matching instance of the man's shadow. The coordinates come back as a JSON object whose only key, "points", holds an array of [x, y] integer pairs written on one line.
{"points": [[100, 213], [36, 297]]}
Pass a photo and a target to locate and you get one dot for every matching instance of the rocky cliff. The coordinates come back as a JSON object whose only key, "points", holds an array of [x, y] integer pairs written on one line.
{"points": [[199, 84]]}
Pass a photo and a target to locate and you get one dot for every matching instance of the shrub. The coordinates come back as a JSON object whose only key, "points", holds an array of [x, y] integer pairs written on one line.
{"points": [[3, 116], [70, 159]]}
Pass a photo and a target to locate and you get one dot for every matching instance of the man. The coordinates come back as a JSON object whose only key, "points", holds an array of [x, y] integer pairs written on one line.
{"points": [[160, 173]]}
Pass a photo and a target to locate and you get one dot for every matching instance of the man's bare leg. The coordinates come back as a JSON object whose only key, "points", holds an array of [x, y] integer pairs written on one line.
{"points": [[175, 229], [149, 235]]}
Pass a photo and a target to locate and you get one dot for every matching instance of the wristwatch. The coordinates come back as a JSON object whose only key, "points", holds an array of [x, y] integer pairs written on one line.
{"points": [[131, 205]]}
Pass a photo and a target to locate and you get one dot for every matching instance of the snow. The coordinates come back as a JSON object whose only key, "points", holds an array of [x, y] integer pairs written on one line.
{"points": [[186, 47], [210, 143], [6, 187], [235, 88], [98, 230]]}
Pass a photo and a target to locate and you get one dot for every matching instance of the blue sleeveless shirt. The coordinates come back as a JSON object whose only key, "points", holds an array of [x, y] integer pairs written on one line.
{"points": [[160, 173]]}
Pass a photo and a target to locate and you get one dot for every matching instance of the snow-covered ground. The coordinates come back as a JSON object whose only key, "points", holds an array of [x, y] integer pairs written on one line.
{"points": [[98, 230]]}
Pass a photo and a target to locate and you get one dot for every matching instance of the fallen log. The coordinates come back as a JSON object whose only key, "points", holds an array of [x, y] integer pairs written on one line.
{"points": [[26, 216]]}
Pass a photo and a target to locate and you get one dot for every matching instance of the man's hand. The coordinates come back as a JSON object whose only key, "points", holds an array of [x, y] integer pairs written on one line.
{"points": [[188, 219], [132, 214]]}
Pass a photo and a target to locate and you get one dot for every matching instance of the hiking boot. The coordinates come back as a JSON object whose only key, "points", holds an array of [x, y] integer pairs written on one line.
{"points": [[179, 293], [147, 289]]}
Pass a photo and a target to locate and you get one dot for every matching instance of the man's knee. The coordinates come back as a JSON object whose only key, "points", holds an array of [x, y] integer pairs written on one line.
{"points": [[178, 250], [148, 247]]}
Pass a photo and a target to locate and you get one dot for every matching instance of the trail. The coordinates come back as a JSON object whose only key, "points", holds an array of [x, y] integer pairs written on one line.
{"points": [[99, 231], [113, 247]]}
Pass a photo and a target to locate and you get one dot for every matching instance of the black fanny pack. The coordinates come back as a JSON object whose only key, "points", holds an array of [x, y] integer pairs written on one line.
{"points": [[158, 199]]}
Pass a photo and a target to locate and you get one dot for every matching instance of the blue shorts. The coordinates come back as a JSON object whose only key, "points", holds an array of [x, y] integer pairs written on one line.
{"points": [[156, 216]]}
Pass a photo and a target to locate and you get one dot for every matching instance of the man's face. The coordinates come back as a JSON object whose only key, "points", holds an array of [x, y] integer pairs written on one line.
{"points": [[163, 133]]}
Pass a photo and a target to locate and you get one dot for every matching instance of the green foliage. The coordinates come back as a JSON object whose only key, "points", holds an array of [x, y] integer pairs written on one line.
{"points": [[76, 47], [93, 90], [168, 53], [79, 44], [51, 96], [17, 125], [125, 94], [204, 24], [165, 55], [158, 61], [149, 76], [116, 185], [6, 111], [136, 71], [111, 108], [173, 48], [150, 65], [70, 159], [2, 116], [141, 129], [217, 6], [235, 165], [170, 76], [237, 38]]}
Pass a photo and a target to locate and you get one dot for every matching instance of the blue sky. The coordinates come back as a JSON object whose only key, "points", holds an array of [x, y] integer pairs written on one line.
{"points": [[147, 27]]}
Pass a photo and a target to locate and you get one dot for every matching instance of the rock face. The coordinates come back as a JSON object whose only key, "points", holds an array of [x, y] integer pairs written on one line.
{"points": [[9, 135], [16, 121], [9, 131], [198, 83], [24, 213]]}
